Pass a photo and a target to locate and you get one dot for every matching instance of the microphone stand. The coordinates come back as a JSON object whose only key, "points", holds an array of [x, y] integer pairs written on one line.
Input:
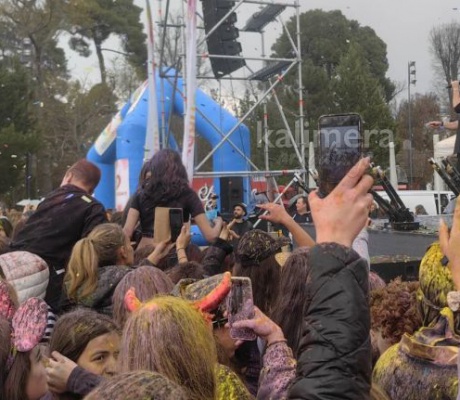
{"points": [[297, 180]]}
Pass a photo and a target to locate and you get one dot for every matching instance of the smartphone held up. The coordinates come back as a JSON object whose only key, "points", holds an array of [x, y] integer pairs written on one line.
{"points": [[240, 306], [168, 224], [340, 148]]}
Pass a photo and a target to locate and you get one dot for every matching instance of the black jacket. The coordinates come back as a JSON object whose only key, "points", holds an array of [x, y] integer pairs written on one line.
{"points": [[335, 350], [65, 216]]}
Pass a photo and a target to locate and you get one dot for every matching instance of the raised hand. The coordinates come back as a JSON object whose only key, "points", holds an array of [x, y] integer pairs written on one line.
{"points": [[341, 215]]}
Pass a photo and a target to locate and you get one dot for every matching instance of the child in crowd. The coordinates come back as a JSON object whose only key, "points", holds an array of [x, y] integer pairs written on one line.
{"points": [[83, 344], [23, 375]]}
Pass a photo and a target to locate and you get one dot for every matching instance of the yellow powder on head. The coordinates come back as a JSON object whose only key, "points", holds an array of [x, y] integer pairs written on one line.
{"points": [[168, 335], [403, 377]]}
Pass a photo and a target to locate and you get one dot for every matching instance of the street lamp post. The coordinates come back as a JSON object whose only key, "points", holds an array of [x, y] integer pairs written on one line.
{"points": [[411, 80]]}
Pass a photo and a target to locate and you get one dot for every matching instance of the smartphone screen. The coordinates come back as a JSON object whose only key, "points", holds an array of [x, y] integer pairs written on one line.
{"points": [[176, 220], [240, 306], [340, 148]]}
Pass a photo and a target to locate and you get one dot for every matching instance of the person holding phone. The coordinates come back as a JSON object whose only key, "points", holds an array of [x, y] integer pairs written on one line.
{"points": [[335, 356], [167, 186], [452, 125], [334, 359]]}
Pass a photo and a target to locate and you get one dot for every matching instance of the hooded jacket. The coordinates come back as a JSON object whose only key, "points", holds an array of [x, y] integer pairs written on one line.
{"points": [[101, 299], [335, 349]]}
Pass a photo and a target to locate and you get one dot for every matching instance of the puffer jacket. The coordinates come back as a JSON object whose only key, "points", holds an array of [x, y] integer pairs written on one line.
{"points": [[335, 349], [26, 272]]}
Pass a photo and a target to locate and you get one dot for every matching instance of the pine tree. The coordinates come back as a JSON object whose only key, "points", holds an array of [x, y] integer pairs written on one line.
{"points": [[356, 90], [95, 20]]}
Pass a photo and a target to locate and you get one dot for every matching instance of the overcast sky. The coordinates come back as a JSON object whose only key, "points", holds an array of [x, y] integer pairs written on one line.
{"points": [[404, 25]]}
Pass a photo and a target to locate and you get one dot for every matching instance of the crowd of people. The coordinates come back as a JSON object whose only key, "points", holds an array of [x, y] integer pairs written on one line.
{"points": [[84, 315]]}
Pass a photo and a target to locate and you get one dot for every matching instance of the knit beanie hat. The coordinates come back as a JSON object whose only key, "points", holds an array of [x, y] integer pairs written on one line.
{"points": [[256, 246], [136, 385]]}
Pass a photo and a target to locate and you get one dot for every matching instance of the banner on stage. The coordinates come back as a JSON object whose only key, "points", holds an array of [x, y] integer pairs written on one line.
{"points": [[121, 183]]}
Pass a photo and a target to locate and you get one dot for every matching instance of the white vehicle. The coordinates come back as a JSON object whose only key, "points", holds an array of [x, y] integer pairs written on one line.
{"points": [[433, 201]]}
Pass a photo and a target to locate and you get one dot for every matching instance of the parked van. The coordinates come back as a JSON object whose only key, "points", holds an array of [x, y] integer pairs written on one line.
{"points": [[433, 201]]}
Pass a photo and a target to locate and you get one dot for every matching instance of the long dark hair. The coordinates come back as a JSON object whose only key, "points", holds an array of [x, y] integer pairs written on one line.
{"points": [[145, 170], [168, 180], [289, 308]]}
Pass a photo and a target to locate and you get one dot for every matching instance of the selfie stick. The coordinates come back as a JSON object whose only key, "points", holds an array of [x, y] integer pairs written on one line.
{"points": [[296, 180]]}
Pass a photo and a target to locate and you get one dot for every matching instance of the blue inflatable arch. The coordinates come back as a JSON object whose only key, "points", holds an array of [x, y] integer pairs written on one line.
{"points": [[124, 138]]}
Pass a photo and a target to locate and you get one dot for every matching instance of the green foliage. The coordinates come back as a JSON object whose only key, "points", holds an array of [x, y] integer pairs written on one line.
{"points": [[254, 123], [15, 99], [17, 136], [356, 90], [75, 124], [325, 38], [344, 67], [95, 20], [13, 149]]}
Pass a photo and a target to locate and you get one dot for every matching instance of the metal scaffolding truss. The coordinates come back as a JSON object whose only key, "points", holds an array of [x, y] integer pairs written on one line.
{"points": [[272, 74]]}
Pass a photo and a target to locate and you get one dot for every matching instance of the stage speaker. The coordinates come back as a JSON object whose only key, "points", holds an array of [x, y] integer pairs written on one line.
{"points": [[231, 192], [223, 40]]}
